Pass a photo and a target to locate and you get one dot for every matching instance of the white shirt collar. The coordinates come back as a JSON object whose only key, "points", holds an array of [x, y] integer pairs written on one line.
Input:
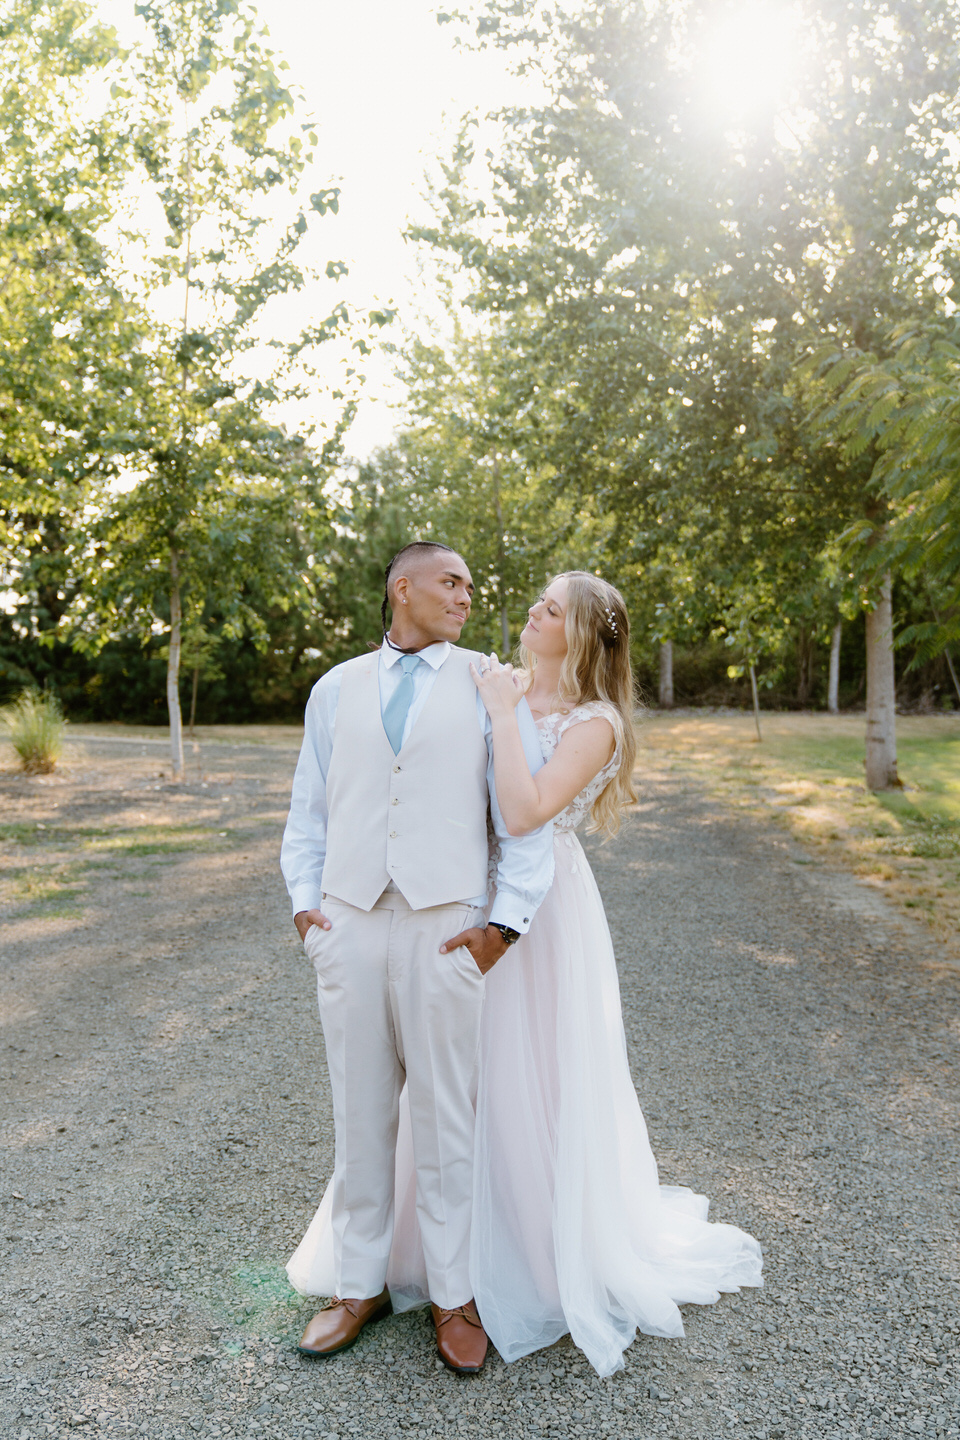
{"points": [[433, 654]]}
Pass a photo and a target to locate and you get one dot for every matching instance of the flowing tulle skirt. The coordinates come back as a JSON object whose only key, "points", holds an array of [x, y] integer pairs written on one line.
{"points": [[572, 1231]]}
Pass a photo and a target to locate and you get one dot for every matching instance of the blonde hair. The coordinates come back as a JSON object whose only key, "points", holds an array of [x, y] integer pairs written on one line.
{"points": [[597, 667]]}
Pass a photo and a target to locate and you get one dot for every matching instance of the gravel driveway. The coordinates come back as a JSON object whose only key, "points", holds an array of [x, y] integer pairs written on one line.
{"points": [[167, 1131]]}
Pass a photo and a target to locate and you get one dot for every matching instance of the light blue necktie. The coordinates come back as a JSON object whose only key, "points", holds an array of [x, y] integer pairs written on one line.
{"points": [[397, 707]]}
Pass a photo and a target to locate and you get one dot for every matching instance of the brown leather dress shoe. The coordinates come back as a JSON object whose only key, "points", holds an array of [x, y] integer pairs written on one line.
{"points": [[338, 1324], [461, 1339]]}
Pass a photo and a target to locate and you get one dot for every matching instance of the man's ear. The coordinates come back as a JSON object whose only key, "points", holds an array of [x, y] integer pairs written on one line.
{"points": [[398, 591]]}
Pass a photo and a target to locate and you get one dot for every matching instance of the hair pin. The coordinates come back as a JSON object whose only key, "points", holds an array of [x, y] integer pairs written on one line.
{"points": [[611, 619]]}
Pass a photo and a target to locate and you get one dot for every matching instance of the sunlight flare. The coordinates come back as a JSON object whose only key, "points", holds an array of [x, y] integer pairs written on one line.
{"points": [[748, 58]]}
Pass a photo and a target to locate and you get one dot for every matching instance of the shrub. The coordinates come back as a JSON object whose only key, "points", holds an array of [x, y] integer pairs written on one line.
{"points": [[36, 727]]}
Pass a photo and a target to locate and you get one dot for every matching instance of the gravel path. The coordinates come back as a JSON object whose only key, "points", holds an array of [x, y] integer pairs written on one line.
{"points": [[167, 1132]]}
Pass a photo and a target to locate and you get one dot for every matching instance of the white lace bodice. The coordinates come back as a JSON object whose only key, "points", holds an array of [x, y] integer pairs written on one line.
{"points": [[550, 729]]}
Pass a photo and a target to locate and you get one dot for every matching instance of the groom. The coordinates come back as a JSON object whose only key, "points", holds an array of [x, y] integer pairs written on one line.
{"points": [[385, 856]]}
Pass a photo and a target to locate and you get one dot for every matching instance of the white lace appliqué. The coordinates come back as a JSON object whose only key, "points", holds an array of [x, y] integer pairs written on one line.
{"points": [[550, 729]]}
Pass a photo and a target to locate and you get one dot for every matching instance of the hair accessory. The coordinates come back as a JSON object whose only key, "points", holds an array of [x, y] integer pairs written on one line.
{"points": [[611, 619]]}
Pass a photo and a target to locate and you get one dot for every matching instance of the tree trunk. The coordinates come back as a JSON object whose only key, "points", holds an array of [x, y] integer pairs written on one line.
{"points": [[881, 760], [666, 675], [501, 561], [193, 698], [805, 658], [756, 700], [953, 673], [833, 684], [173, 672], [946, 654]]}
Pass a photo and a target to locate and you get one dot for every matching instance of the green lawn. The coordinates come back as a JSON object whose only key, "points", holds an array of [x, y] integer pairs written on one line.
{"points": [[808, 771], [928, 752]]}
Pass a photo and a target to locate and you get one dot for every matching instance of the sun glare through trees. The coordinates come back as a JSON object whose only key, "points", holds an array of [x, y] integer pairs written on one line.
{"points": [[689, 323], [746, 58]]}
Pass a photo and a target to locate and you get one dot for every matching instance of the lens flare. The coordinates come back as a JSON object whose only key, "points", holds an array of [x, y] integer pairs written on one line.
{"points": [[747, 59]]}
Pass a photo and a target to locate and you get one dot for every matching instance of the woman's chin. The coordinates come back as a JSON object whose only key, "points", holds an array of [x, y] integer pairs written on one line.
{"points": [[528, 639]]}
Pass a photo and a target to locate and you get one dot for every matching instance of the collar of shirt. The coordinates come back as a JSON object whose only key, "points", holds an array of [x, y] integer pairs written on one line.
{"points": [[433, 654]]}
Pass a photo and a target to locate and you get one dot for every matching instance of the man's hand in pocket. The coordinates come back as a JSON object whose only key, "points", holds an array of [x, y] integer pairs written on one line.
{"points": [[305, 918], [485, 944]]}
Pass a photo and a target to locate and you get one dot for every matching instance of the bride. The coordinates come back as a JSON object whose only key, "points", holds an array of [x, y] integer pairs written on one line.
{"points": [[572, 1231]]}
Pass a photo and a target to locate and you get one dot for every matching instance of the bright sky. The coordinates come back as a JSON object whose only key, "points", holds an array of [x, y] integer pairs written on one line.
{"points": [[387, 86]]}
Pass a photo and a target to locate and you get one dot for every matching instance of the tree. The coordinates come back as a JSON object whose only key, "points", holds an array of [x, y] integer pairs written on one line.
{"points": [[904, 409], [223, 502], [665, 264], [65, 323], [459, 470]]}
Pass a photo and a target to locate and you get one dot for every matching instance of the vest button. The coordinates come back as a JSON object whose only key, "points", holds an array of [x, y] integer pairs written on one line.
{"points": [[394, 801], [393, 834], [396, 769]]}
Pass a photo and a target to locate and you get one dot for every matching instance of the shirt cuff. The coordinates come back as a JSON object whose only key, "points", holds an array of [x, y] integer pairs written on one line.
{"points": [[511, 910], [306, 897]]}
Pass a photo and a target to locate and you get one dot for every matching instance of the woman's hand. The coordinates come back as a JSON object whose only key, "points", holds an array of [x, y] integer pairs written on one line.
{"points": [[501, 688]]}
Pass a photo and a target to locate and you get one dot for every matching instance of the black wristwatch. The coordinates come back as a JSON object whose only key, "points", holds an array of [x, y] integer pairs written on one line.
{"points": [[510, 937]]}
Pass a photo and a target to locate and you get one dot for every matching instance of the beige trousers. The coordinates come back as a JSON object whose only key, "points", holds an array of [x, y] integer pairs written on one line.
{"points": [[394, 1009]]}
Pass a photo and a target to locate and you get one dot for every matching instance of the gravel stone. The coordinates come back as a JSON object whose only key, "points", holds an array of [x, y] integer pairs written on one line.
{"points": [[168, 1133]]}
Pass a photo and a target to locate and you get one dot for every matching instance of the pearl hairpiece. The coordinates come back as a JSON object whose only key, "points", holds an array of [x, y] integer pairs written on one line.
{"points": [[611, 618]]}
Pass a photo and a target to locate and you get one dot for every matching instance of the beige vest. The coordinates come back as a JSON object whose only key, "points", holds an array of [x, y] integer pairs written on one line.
{"points": [[418, 818]]}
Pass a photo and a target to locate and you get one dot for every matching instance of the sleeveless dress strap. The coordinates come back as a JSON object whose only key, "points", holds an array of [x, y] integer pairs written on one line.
{"points": [[593, 710]]}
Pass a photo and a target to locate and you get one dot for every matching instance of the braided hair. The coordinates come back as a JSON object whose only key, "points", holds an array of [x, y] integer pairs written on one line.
{"points": [[416, 547]]}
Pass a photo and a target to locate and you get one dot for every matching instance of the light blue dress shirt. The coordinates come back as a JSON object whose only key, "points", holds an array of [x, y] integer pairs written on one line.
{"points": [[525, 868]]}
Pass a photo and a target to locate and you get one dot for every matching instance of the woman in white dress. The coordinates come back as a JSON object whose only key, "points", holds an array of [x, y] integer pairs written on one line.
{"points": [[572, 1231]]}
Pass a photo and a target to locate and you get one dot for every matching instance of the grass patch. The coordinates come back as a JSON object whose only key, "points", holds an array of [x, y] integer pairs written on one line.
{"points": [[808, 773], [33, 889], [25, 834], [35, 726], [51, 893], [53, 911], [158, 840], [54, 888], [138, 840]]}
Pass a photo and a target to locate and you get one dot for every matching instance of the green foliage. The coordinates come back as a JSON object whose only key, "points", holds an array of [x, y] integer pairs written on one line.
{"points": [[147, 487], [221, 490], [630, 281], [35, 727], [904, 409], [65, 324], [654, 268], [198, 652], [461, 473]]}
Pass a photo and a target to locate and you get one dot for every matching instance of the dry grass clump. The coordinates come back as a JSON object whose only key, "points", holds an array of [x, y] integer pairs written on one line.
{"points": [[35, 728]]}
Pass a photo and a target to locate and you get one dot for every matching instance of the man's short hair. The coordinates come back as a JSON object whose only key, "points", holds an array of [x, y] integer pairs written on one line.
{"points": [[416, 548]]}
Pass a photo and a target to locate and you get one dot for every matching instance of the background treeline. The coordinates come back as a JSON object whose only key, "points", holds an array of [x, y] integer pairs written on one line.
{"points": [[155, 198], [239, 683], [711, 353]]}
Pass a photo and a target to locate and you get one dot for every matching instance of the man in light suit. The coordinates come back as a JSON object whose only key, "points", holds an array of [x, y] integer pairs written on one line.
{"points": [[386, 859]]}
